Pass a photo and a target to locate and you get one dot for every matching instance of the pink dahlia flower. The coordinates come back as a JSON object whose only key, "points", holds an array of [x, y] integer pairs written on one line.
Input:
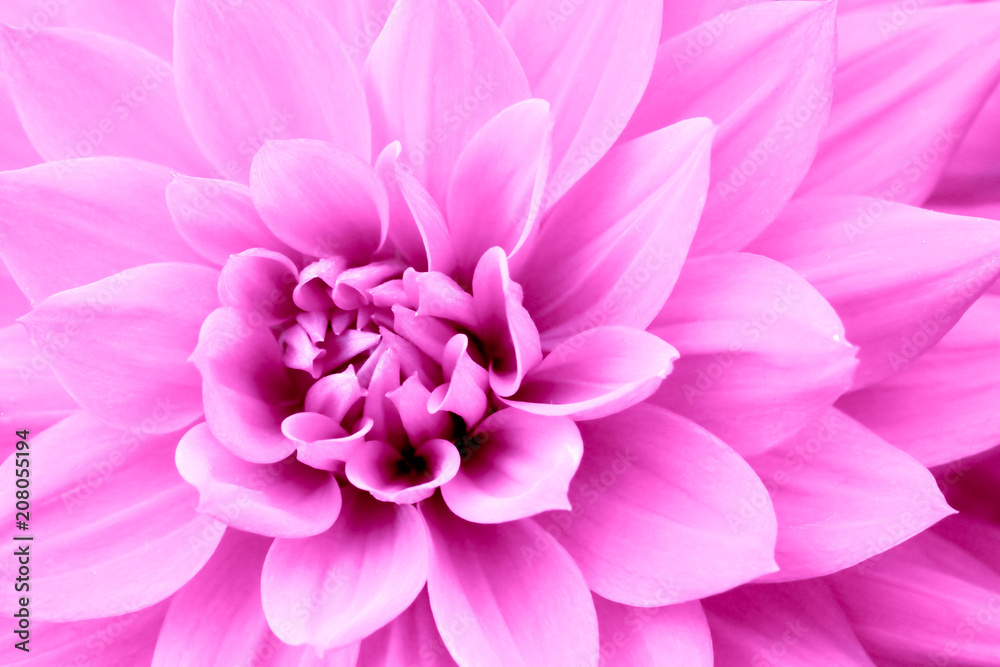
{"points": [[492, 334]]}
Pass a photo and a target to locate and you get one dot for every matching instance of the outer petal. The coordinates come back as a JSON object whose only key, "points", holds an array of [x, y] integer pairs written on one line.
{"points": [[763, 75], [663, 512], [895, 122], [80, 94], [515, 465], [89, 482], [411, 632], [63, 225], [16, 151], [596, 373], [148, 24], [252, 71], [973, 173], [899, 277], [634, 637], [319, 200], [122, 344], [591, 61], [762, 353], [438, 71], [376, 552], [843, 495], [217, 619], [921, 603], [799, 625], [507, 595], [610, 252], [30, 394], [942, 407], [284, 499]]}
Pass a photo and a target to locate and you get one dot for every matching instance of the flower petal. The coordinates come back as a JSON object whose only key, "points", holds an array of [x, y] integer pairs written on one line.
{"points": [[895, 121], [438, 71], [507, 595], [80, 94], [515, 465], [973, 173], [393, 645], [121, 345], [89, 482], [762, 353], [495, 189], [634, 637], [30, 393], [611, 250], [763, 74], [898, 276], [283, 499], [596, 373], [376, 555], [941, 407], [843, 495], [68, 224], [147, 24], [591, 60], [16, 151], [249, 72], [318, 199]]}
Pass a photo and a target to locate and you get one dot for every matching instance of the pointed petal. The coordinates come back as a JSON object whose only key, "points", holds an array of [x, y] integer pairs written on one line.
{"points": [[592, 62], [623, 230], [30, 394], [122, 344], [742, 323], [634, 637], [515, 465], [842, 495], [250, 72], [80, 94], [763, 74], [319, 199], [661, 511], [895, 122], [495, 190], [437, 72], [146, 24], [507, 595], [898, 276], [941, 407], [374, 561], [596, 373], [89, 481], [283, 499], [245, 386], [797, 624], [393, 645], [63, 226], [217, 218], [260, 283]]}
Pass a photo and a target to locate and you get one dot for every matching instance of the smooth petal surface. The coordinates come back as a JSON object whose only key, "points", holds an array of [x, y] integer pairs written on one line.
{"points": [[437, 72], [81, 94], [121, 345], [763, 74], [377, 555], [283, 499], [89, 482], [507, 595], [798, 624], [941, 407], [895, 122], [762, 353], [973, 173], [147, 24], [495, 190], [663, 512], [217, 218], [611, 250], [319, 200], [898, 276], [515, 465], [253, 71], [596, 373], [245, 386], [634, 637], [592, 62], [63, 225], [30, 394], [16, 151], [393, 645], [843, 495]]}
